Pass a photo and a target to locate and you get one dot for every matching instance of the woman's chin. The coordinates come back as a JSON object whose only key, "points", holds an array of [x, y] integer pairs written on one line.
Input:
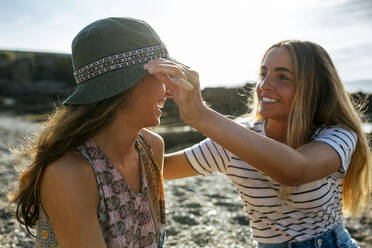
{"points": [[155, 122]]}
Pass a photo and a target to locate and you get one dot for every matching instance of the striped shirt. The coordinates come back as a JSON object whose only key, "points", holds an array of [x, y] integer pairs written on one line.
{"points": [[310, 210]]}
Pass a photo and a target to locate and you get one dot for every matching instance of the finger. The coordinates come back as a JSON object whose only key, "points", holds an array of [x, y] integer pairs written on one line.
{"points": [[193, 78], [166, 80], [177, 86], [189, 78], [182, 83], [161, 61], [162, 77], [183, 66], [171, 87], [170, 69]]}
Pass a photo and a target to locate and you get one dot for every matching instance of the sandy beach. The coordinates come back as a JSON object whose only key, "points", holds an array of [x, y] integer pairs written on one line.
{"points": [[200, 211]]}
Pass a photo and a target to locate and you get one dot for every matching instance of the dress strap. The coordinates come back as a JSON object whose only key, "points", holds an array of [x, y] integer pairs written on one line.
{"points": [[154, 177], [144, 141], [102, 213]]}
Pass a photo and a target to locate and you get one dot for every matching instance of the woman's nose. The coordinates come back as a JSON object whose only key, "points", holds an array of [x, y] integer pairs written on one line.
{"points": [[266, 82]]}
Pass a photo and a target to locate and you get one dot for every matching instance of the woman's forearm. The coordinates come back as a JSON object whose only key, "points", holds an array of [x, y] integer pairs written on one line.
{"points": [[275, 159], [266, 155]]}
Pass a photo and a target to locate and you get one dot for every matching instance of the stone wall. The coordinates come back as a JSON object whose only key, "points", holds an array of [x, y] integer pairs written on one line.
{"points": [[33, 82], [30, 82]]}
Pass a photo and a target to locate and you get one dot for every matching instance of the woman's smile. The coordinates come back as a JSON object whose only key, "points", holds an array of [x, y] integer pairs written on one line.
{"points": [[269, 100]]}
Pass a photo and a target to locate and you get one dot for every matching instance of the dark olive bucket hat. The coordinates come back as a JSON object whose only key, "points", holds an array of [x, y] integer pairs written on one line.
{"points": [[108, 57]]}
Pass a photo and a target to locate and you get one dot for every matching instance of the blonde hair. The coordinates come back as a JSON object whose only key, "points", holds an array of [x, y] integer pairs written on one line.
{"points": [[68, 127], [321, 99]]}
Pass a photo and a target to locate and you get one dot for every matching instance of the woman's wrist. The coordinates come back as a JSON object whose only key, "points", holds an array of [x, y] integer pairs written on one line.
{"points": [[203, 119]]}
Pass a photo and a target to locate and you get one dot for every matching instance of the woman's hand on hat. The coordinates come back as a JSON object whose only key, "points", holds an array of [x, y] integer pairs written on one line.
{"points": [[183, 86]]}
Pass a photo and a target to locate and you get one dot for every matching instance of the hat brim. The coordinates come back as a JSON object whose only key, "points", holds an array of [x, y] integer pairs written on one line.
{"points": [[106, 85]]}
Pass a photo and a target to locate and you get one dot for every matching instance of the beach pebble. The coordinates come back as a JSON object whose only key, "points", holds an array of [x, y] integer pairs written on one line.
{"points": [[200, 211]]}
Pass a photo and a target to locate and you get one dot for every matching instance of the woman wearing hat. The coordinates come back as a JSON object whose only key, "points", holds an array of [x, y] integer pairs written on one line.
{"points": [[95, 173], [301, 163]]}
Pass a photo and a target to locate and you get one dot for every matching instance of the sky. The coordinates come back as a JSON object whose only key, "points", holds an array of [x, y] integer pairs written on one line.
{"points": [[223, 40]]}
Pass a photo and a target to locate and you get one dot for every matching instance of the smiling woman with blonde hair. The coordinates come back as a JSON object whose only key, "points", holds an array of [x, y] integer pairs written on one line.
{"points": [[299, 165]]}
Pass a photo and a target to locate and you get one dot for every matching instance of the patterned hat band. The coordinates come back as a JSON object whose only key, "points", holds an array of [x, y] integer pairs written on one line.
{"points": [[119, 61]]}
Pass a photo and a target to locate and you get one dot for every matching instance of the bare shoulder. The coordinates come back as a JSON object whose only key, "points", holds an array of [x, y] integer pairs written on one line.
{"points": [[156, 142], [69, 167], [154, 139], [70, 198], [71, 174]]}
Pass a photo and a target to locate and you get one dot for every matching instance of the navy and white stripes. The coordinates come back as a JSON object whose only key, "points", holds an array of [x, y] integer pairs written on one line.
{"points": [[343, 141], [311, 208]]}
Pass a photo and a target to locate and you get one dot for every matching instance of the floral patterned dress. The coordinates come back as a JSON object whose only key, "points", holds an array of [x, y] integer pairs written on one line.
{"points": [[127, 218]]}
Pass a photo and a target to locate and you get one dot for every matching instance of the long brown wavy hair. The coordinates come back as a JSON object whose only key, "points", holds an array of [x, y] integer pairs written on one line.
{"points": [[66, 128], [321, 99]]}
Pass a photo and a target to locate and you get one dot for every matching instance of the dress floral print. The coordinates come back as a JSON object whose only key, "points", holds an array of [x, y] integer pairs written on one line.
{"points": [[127, 219]]}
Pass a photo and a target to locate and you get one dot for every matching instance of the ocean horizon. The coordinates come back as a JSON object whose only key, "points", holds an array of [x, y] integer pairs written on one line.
{"points": [[359, 86]]}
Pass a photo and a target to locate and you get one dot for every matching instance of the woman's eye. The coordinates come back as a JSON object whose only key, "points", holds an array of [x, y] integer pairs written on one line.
{"points": [[262, 75], [283, 77]]}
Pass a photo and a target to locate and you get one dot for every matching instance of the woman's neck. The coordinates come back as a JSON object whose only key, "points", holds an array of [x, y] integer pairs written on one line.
{"points": [[276, 130], [117, 140]]}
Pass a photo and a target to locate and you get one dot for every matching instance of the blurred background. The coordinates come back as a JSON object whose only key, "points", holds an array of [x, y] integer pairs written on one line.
{"points": [[223, 40]]}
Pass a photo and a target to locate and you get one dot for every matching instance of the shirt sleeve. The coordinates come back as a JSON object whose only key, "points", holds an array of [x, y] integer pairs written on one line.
{"points": [[207, 157], [341, 140]]}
